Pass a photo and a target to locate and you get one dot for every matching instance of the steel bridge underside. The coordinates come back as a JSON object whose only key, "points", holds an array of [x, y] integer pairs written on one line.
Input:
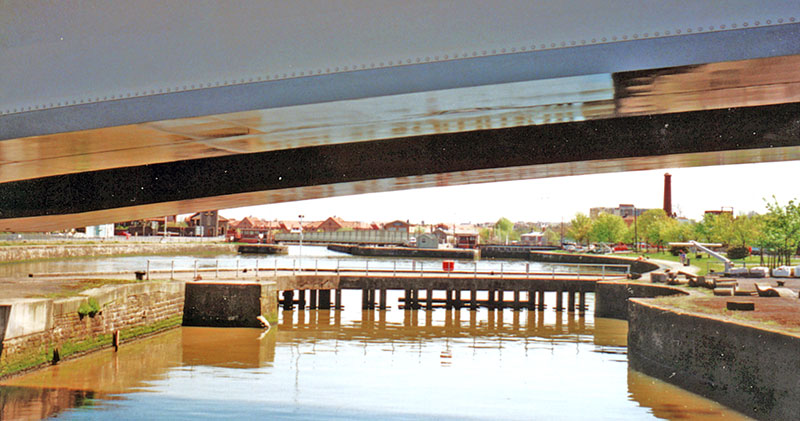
{"points": [[382, 130]]}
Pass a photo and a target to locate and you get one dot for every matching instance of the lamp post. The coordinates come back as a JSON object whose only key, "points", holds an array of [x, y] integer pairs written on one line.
{"points": [[300, 259], [635, 231]]}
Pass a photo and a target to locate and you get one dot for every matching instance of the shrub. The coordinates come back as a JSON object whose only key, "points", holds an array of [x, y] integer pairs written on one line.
{"points": [[738, 252], [89, 308], [676, 250]]}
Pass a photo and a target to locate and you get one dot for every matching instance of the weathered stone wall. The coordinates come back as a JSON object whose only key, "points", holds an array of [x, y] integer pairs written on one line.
{"points": [[60, 251], [229, 304], [35, 330], [637, 266], [752, 370], [611, 298], [405, 252]]}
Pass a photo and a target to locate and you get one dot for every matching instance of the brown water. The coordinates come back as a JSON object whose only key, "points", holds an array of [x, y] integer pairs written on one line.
{"points": [[358, 364]]}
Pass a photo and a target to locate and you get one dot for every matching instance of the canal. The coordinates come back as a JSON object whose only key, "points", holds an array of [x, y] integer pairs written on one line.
{"points": [[355, 364]]}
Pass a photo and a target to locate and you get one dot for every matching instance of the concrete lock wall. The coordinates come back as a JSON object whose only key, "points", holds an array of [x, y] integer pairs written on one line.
{"points": [[749, 369], [58, 251], [40, 331], [230, 304], [611, 298], [637, 266]]}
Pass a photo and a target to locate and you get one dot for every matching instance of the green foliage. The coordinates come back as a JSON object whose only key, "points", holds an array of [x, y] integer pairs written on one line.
{"points": [[652, 226], [552, 236], [486, 235], [608, 228], [716, 228], [782, 229], [580, 228], [89, 308], [504, 225]]}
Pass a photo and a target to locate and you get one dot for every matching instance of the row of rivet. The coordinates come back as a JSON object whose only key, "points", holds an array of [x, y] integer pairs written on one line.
{"points": [[391, 63]]}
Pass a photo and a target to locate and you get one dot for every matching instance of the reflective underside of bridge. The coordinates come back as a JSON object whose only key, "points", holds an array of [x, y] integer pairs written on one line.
{"points": [[406, 127]]}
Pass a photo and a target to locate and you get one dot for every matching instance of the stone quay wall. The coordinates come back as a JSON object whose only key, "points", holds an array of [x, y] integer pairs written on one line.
{"points": [[749, 369], [60, 251], [34, 332]]}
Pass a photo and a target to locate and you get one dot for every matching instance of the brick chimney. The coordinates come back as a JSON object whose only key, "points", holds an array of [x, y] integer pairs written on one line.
{"points": [[668, 194]]}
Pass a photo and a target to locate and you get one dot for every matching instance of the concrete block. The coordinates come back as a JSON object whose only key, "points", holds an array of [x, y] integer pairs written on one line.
{"points": [[658, 277], [27, 317], [223, 304]]}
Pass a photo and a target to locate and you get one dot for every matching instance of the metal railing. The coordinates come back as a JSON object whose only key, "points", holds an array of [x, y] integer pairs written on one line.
{"points": [[241, 268]]}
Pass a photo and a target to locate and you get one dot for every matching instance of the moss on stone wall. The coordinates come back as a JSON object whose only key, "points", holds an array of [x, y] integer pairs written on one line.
{"points": [[46, 353]]}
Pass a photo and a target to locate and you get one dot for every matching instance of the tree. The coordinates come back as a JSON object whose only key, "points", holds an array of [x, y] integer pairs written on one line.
{"points": [[580, 228], [504, 230], [608, 228], [716, 228], [652, 224], [782, 229], [552, 235], [746, 229], [675, 231]]}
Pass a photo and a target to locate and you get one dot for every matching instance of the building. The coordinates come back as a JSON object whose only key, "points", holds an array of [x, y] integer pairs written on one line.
{"points": [[533, 239], [208, 224], [397, 226], [428, 241], [334, 224], [623, 210]]}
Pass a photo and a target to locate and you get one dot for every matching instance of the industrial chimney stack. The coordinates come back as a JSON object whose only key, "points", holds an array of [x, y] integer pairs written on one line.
{"points": [[668, 194]]}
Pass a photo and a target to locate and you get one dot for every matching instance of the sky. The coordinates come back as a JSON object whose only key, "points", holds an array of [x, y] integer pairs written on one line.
{"points": [[742, 187]]}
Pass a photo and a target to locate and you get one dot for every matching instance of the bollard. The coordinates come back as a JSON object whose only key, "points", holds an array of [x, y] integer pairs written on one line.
{"points": [[394, 269], [172, 271], [216, 268], [603, 275], [195, 269], [256, 268], [367, 266], [237, 269], [115, 340], [316, 268], [148, 270]]}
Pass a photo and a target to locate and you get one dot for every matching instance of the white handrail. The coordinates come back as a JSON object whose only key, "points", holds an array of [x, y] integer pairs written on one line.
{"points": [[396, 268]]}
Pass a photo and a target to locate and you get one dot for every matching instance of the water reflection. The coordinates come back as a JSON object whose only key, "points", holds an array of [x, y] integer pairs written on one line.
{"points": [[356, 364]]}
